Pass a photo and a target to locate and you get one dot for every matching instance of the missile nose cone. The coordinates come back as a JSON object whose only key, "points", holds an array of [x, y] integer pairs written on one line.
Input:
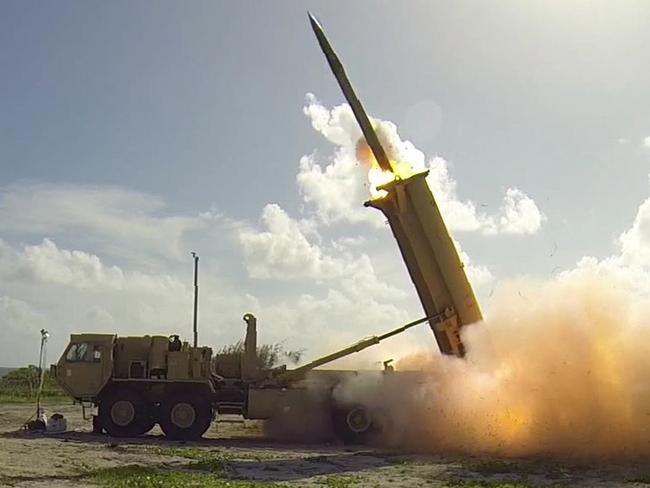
{"points": [[322, 40], [314, 22]]}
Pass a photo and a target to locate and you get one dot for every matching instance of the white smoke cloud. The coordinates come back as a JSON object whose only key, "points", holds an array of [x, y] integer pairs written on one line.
{"points": [[335, 192], [335, 188]]}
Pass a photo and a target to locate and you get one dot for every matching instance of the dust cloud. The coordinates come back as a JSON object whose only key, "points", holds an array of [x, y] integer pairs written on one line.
{"points": [[560, 369]]}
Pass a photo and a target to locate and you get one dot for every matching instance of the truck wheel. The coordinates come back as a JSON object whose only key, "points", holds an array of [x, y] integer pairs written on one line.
{"points": [[353, 424], [185, 417], [123, 413]]}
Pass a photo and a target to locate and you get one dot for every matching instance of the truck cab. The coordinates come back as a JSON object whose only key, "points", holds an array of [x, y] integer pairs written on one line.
{"points": [[86, 365]]}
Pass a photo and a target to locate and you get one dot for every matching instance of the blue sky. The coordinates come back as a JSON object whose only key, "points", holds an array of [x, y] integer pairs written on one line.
{"points": [[134, 132]]}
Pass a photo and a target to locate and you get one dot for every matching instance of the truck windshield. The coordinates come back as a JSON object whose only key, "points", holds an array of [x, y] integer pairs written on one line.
{"points": [[78, 352]]}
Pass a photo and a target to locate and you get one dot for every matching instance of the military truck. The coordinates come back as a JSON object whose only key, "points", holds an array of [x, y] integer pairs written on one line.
{"points": [[137, 382]]}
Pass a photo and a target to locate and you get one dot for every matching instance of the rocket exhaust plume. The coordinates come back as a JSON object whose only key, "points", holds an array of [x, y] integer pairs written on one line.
{"points": [[560, 369]]}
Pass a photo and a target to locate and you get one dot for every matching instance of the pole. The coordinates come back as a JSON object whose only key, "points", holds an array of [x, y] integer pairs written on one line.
{"points": [[41, 370], [196, 297]]}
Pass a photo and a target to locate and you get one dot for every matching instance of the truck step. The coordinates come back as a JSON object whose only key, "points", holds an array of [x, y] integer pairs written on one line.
{"points": [[232, 408]]}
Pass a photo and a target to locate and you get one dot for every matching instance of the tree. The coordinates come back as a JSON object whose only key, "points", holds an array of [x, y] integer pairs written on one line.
{"points": [[269, 356]]}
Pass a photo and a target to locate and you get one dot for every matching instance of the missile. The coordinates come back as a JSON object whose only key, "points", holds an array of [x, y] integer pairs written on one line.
{"points": [[343, 81]]}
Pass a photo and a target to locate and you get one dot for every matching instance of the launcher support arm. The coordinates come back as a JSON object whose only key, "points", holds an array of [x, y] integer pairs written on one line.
{"points": [[298, 373]]}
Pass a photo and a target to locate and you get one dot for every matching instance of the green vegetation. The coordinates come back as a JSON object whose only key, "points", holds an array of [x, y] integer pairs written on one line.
{"points": [[498, 484], [21, 385], [141, 477], [213, 471], [207, 468], [215, 462], [213, 455]]}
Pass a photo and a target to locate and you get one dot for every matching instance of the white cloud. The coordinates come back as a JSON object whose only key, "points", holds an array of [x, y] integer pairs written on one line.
{"points": [[478, 275], [46, 263], [20, 324], [86, 263], [112, 215], [72, 268], [78, 292], [646, 141], [282, 250], [459, 215], [519, 213], [18, 315], [630, 266]]}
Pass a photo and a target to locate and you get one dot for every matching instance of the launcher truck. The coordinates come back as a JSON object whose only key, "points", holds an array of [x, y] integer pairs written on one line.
{"points": [[137, 382]]}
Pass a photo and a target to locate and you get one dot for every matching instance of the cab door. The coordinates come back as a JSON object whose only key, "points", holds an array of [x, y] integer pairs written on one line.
{"points": [[86, 365]]}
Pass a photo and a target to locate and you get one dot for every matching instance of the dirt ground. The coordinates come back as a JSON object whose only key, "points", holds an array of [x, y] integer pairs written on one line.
{"points": [[30, 459]]}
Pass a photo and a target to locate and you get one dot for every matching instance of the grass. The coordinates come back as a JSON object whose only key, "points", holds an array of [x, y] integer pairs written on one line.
{"points": [[340, 481], [215, 462], [141, 477], [215, 467], [19, 398], [498, 484], [203, 455], [209, 469]]}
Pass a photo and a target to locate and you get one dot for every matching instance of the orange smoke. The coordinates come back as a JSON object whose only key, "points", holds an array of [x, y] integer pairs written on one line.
{"points": [[560, 368]]}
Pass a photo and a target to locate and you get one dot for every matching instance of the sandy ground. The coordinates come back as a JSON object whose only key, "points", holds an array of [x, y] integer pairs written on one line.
{"points": [[30, 459]]}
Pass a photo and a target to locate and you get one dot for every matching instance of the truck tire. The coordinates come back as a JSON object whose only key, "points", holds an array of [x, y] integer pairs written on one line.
{"points": [[124, 413], [353, 424], [185, 416]]}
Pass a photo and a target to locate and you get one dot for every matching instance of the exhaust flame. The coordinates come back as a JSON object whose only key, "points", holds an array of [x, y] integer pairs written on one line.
{"points": [[376, 175], [559, 369]]}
